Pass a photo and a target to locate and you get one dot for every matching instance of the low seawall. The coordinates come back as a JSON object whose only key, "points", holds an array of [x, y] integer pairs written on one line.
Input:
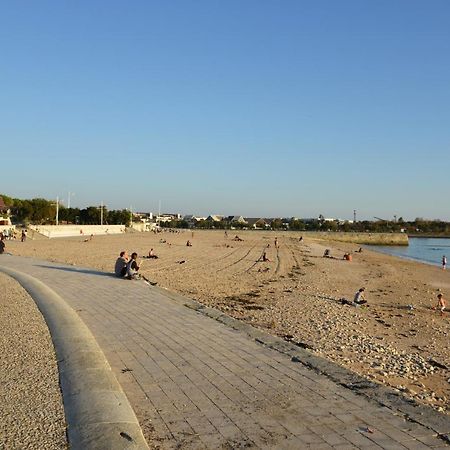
{"points": [[55, 231], [360, 238]]}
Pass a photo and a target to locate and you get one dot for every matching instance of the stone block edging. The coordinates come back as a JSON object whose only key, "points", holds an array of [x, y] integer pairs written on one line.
{"points": [[98, 413]]}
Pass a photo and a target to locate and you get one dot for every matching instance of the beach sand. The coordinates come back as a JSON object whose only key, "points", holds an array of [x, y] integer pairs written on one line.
{"points": [[296, 294], [31, 413]]}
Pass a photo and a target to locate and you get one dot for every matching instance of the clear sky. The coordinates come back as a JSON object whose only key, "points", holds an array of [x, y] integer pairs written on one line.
{"points": [[251, 107]]}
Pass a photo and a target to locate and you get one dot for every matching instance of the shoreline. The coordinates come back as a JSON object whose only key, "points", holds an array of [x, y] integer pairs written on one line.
{"points": [[407, 258], [296, 296]]}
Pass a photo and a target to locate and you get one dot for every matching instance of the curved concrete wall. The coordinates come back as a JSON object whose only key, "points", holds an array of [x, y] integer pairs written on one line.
{"points": [[98, 414]]}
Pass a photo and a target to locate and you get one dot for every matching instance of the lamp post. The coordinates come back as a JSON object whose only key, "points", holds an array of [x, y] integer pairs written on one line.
{"points": [[70, 194], [57, 210]]}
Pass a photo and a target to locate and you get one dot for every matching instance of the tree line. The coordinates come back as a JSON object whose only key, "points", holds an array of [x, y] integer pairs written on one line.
{"points": [[417, 226], [41, 211]]}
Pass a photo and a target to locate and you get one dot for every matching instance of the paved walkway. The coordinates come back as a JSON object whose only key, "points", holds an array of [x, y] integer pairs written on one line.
{"points": [[197, 383]]}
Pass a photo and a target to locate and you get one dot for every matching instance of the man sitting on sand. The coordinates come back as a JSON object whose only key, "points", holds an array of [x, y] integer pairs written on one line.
{"points": [[152, 255], [120, 269], [188, 244], [133, 267]]}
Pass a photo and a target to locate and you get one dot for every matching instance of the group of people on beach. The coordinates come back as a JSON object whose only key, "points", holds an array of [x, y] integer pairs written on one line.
{"points": [[128, 267]]}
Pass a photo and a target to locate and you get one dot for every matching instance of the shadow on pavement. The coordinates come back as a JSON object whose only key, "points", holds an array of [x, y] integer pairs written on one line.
{"points": [[88, 271]]}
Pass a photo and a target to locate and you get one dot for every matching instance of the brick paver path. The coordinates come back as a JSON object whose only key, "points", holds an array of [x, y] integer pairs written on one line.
{"points": [[196, 383]]}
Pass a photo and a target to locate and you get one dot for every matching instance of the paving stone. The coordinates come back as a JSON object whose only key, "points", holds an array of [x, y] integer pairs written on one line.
{"points": [[201, 384]]}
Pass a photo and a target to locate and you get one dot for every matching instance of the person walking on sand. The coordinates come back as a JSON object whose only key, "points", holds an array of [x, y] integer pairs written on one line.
{"points": [[444, 262], [441, 304], [24, 236], [2, 246]]}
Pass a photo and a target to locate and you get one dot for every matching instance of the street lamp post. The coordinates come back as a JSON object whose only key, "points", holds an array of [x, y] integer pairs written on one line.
{"points": [[57, 210], [70, 194]]}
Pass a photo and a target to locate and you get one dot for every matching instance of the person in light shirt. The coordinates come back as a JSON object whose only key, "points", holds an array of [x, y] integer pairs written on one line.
{"points": [[359, 297]]}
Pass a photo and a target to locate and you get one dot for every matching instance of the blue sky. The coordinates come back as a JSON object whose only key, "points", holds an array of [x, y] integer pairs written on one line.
{"points": [[255, 107]]}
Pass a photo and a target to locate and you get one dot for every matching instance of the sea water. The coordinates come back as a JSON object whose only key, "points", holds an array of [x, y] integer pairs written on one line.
{"points": [[427, 250]]}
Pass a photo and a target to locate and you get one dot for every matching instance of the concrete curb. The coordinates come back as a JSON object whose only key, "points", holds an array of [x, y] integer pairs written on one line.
{"points": [[385, 396], [98, 414]]}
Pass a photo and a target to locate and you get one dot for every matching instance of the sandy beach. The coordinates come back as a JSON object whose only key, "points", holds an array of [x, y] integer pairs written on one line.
{"points": [[32, 414], [296, 295]]}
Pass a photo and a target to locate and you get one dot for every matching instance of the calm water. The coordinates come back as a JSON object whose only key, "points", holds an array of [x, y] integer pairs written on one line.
{"points": [[428, 250]]}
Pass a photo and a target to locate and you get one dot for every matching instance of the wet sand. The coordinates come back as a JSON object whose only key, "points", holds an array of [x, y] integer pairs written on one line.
{"points": [[296, 295]]}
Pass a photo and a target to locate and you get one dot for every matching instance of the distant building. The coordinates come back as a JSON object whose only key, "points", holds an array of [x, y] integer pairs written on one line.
{"points": [[236, 219], [143, 221], [192, 220], [5, 216], [215, 218], [163, 218], [257, 223]]}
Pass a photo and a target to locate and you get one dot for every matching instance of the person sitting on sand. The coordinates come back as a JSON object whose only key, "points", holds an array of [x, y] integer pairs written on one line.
{"points": [[152, 255], [133, 267], [359, 297], [441, 304], [188, 244], [327, 253], [120, 269], [237, 238]]}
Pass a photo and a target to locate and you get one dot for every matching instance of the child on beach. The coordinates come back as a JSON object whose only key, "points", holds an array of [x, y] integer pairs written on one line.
{"points": [[441, 304]]}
